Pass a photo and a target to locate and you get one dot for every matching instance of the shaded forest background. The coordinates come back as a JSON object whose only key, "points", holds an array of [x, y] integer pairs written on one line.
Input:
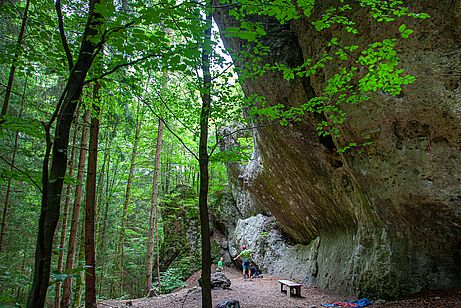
{"points": [[144, 80]]}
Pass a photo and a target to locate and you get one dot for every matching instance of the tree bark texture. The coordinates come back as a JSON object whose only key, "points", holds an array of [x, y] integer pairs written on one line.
{"points": [[153, 216], [90, 205], [203, 164], [51, 199]]}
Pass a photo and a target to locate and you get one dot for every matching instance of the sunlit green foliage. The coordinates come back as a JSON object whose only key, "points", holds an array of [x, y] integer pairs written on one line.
{"points": [[366, 67]]}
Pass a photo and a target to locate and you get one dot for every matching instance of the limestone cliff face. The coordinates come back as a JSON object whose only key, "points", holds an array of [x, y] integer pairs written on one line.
{"points": [[243, 204], [387, 222]]}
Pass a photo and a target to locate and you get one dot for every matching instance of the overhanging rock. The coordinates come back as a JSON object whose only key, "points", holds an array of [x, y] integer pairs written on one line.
{"points": [[388, 221]]}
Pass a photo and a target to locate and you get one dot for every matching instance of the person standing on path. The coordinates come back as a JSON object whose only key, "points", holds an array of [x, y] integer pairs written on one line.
{"points": [[245, 256]]}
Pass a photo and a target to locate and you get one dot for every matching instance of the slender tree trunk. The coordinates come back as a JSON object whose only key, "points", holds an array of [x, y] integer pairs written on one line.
{"points": [[90, 251], [53, 181], [108, 199], [76, 211], [10, 180], [101, 226], [23, 266], [153, 215], [9, 86], [100, 191], [66, 208], [109, 192], [102, 233], [126, 203], [99, 202], [157, 246], [79, 284], [203, 164]]}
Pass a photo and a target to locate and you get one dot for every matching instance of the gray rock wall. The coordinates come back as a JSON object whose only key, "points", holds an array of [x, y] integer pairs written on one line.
{"points": [[272, 253], [239, 175], [388, 223]]}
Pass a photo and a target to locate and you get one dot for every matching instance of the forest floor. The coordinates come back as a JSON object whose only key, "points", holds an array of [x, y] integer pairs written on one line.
{"points": [[265, 293]]}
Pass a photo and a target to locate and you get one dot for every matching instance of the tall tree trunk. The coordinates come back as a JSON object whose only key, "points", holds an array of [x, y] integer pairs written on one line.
{"points": [[203, 164], [76, 210], [22, 270], [99, 202], [100, 190], [126, 203], [53, 181], [66, 208], [79, 284], [9, 86], [153, 215], [90, 251], [157, 245], [110, 184], [102, 233], [10, 180]]}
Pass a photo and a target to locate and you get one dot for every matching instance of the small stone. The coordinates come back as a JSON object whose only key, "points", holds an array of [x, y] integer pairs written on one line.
{"points": [[437, 298], [380, 301]]}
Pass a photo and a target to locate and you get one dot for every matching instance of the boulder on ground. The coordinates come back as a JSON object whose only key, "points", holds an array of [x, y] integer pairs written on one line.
{"points": [[219, 280]]}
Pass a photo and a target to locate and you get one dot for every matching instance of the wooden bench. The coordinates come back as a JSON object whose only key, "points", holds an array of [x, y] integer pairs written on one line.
{"points": [[294, 288]]}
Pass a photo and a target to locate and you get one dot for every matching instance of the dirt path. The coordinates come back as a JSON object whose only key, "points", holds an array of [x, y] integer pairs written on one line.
{"points": [[265, 293]]}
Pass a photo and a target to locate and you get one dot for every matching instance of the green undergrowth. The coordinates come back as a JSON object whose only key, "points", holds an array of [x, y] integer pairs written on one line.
{"points": [[176, 275]]}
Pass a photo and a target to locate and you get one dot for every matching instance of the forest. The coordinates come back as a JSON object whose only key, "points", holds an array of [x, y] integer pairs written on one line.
{"points": [[89, 112], [116, 120]]}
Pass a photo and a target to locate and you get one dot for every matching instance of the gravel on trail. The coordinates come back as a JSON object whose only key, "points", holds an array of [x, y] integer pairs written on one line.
{"points": [[265, 293]]}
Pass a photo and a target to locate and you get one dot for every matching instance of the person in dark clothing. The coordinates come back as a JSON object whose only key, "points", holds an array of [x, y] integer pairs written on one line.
{"points": [[254, 271]]}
